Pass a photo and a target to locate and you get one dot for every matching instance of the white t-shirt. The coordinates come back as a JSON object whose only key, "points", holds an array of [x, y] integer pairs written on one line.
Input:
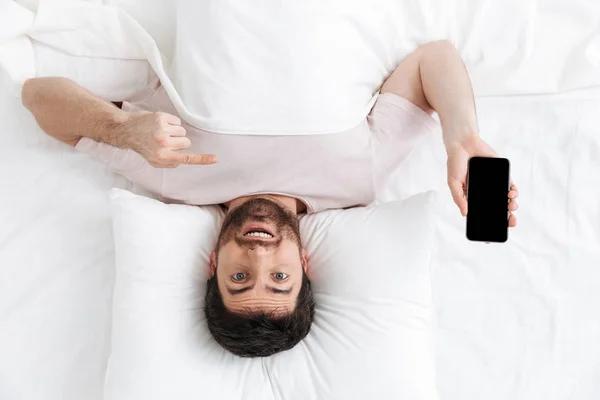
{"points": [[328, 171]]}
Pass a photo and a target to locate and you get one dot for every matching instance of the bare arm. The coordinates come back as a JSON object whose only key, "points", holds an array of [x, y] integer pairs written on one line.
{"points": [[68, 112], [434, 78]]}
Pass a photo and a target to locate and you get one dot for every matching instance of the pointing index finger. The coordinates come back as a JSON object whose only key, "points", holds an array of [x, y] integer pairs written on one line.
{"points": [[197, 159]]}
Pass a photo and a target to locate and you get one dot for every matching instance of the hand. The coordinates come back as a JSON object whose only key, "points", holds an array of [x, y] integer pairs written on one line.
{"points": [[158, 137], [458, 162]]}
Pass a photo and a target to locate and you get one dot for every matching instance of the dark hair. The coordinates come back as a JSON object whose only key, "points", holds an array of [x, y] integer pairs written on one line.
{"points": [[258, 334]]}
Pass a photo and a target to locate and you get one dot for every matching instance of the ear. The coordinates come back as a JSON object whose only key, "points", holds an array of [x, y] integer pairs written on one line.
{"points": [[213, 263], [305, 261]]}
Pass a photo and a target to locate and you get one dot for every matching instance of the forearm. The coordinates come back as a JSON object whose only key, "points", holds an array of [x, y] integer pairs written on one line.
{"points": [[448, 90], [67, 111]]}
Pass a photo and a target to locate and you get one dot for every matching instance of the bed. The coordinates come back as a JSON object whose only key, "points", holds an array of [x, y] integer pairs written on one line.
{"points": [[524, 324]]}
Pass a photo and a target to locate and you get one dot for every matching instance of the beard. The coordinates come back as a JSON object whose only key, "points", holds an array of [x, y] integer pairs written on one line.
{"points": [[259, 210]]}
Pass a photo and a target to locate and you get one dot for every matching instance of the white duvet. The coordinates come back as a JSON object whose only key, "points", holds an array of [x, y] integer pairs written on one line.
{"points": [[229, 51], [516, 321]]}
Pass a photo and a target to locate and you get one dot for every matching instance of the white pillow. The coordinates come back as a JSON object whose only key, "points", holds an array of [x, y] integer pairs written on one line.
{"points": [[371, 337]]}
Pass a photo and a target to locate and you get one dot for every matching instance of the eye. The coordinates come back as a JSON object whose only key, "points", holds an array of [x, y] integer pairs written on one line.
{"points": [[240, 276], [280, 276]]}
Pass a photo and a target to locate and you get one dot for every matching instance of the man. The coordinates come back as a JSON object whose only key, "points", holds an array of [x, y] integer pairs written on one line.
{"points": [[259, 300]]}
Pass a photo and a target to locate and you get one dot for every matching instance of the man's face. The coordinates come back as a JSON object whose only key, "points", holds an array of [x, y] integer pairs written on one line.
{"points": [[259, 262]]}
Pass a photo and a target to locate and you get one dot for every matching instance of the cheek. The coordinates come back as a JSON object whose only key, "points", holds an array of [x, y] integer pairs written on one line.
{"points": [[221, 287], [220, 271], [226, 253], [290, 250]]}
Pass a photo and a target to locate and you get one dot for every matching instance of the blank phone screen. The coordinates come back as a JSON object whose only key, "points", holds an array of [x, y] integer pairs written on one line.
{"points": [[488, 185]]}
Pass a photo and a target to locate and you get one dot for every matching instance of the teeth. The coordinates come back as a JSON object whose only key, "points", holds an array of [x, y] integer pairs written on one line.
{"points": [[258, 234]]}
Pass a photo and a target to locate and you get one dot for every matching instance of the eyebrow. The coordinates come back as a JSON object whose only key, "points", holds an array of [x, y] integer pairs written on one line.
{"points": [[235, 292], [279, 291]]}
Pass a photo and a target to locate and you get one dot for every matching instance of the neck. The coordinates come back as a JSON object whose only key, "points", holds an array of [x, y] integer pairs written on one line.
{"points": [[290, 203]]}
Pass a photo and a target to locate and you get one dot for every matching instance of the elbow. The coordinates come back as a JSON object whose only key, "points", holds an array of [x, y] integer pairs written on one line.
{"points": [[437, 50], [33, 89], [438, 46], [443, 43]]}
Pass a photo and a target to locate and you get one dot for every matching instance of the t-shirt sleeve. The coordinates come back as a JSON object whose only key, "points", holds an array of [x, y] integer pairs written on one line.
{"points": [[398, 127], [124, 162]]}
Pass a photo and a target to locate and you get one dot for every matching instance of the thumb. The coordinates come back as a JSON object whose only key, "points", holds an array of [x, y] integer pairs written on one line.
{"points": [[197, 159], [458, 195]]}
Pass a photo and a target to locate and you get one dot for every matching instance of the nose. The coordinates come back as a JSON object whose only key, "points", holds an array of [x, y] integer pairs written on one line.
{"points": [[257, 250], [259, 255]]}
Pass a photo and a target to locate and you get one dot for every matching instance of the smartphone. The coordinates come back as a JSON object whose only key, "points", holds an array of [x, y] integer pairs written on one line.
{"points": [[488, 184]]}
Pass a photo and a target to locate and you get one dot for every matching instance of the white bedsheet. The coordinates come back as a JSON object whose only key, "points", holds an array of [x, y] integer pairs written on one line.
{"points": [[56, 264], [520, 320]]}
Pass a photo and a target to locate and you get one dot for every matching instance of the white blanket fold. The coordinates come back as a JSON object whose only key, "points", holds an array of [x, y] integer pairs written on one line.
{"points": [[230, 52]]}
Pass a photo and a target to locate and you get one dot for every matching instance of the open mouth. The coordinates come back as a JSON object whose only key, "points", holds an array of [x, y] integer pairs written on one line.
{"points": [[258, 231], [261, 234]]}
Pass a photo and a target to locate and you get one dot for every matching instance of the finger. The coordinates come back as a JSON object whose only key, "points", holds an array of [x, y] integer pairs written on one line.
{"points": [[161, 165], [179, 143], [176, 131], [458, 196], [512, 221], [513, 194], [196, 159], [513, 206], [171, 119]]}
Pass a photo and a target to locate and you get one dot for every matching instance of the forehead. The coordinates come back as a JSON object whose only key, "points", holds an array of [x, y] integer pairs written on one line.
{"points": [[257, 304]]}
